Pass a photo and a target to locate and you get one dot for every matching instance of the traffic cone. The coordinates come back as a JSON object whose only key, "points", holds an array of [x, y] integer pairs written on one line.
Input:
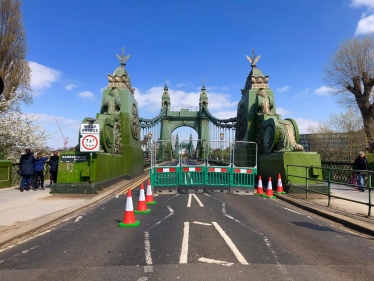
{"points": [[142, 207], [129, 217], [280, 186], [269, 190], [260, 191], [149, 197]]}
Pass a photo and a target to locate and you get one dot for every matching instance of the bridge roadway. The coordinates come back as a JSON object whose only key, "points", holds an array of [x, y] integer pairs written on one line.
{"points": [[193, 237]]}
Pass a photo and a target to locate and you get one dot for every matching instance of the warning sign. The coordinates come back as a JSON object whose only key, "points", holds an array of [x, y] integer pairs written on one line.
{"points": [[90, 143]]}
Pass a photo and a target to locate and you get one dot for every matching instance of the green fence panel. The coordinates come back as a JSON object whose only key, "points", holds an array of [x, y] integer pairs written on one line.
{"points": [[243, 180], [164, 179], [217, 179], [191, 179]]}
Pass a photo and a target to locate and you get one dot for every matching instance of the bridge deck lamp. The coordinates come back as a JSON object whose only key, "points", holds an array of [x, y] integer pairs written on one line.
{"points": [[221, 136]]}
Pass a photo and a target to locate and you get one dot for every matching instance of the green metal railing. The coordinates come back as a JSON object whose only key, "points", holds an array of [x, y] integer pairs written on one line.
{"points": [[330, 179], [16, 179]]}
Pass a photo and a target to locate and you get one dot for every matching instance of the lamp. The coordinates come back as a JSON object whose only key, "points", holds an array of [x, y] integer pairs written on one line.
{"points": [[221, 136]]}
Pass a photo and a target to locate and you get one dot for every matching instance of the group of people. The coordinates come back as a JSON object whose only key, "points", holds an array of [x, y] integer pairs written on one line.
{"points": [[33, 167]]}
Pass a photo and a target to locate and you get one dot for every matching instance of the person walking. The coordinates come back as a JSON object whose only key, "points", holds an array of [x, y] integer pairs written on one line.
{"points": [[39, 170], [26, 163], [361, 164], [53, 163]]}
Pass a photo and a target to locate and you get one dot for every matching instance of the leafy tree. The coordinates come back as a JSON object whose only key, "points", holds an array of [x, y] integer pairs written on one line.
{"points": [[350, 73], [17, 130]]}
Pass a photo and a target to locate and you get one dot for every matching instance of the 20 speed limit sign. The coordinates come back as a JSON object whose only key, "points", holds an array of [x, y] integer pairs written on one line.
{"points": [[90, 143]]}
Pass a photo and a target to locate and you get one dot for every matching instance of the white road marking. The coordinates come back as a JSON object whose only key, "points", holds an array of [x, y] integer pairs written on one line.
{"points": [[171, 213], [189, 200], [198, 200], [117, 196], [78, 219], [67, 219], [372, 248], [293, 211], [148, 257], [202, 223], [216, 261], [143, 279], [26, 240], [208, 195], [223, 208], [229, 242], [184, 250], [1, 261]]}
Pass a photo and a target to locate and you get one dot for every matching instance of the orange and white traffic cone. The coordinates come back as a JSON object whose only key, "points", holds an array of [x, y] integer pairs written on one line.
{"points": [[149, 197], [142, 207], [269, 190], [129, 217], [280, 186], [260, 191]]}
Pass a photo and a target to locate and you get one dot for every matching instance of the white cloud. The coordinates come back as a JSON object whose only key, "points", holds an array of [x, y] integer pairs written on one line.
{"points": [[70, 87], [179, 85], [86, 95], [42, 76], [283, 111], [303, 124], [225, 114], [152, 98], [283, 89], [324, 91], [365, 25], [359, 3], [303, 93]]}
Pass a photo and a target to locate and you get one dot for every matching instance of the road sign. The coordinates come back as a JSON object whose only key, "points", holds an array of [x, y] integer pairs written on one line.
{"points": [[90, 143], [90, 129]]}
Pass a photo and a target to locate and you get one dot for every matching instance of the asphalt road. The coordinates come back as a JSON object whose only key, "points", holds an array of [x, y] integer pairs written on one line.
{"points": [[193, 237]]}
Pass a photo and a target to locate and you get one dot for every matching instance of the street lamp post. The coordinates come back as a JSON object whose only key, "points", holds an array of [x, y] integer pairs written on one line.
{"points": [[150, 147], [221, 136]]}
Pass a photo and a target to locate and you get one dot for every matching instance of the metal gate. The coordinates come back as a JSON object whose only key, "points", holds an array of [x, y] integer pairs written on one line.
{"points": [[223, 170]]}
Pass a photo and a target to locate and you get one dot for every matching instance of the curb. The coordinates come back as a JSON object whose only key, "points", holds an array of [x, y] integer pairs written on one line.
{"points": [[364, 227], [43, 221]]}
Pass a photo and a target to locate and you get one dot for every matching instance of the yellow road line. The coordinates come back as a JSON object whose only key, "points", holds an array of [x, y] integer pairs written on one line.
{"points": [[134, 185]]}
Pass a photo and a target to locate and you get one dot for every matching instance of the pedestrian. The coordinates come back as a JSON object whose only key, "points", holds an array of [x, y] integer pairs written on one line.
{"points": [[53, 163], [361, 164], [26, 163], [39, 170]]}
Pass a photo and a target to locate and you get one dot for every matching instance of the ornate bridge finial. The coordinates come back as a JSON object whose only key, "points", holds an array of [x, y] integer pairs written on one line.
{"points": [[253, 60], [124, 58]]}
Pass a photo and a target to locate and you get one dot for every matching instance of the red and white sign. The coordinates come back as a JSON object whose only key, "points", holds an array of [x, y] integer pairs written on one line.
{"points": [[217, 170], [90, 143], [166, 170], [190, 169], [243, 171]]}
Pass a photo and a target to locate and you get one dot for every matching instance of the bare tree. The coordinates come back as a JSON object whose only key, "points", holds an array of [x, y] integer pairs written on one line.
{"points": [[14, 69], [350, 73], [338, 138]]}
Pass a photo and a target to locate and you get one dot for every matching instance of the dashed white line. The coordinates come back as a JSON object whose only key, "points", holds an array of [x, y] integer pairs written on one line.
{"points": [[78, 219], [170, 209], [293, 211], [148, 256], [223, 208], [26, 240], [229, 242], [117, 196], [202, 223], [184, 250], [216, 261]]}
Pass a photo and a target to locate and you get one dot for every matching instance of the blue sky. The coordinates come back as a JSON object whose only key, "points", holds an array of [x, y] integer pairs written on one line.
{"points": [[72, 46]]}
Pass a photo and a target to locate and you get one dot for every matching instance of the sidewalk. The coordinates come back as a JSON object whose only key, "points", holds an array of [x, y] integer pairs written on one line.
{"points": [[24, 212]]}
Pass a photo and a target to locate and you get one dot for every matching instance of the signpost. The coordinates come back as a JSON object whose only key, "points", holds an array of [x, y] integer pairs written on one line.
{"points": [[90, 138]]}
